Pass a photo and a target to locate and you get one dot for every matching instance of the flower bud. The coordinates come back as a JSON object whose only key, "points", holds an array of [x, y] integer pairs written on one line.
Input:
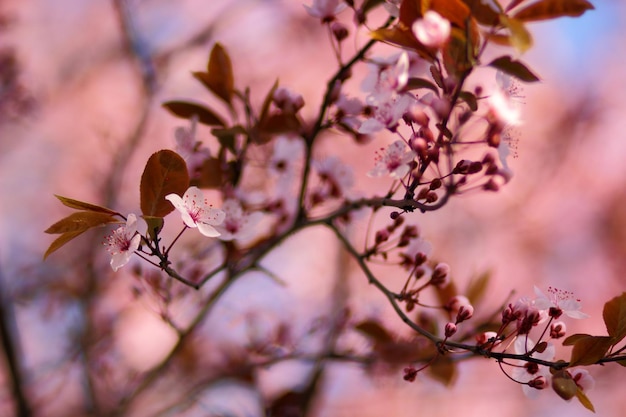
{"points": [[557, 330], [340, 31], [450, 329]]}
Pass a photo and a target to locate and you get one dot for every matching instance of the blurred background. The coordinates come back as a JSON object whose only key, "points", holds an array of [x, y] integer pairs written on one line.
{"points": [[81, 84]]}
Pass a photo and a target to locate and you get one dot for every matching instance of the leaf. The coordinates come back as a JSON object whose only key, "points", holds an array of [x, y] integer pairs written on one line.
{"points": [[477, 287], [415, 83], [81, 205], [165, 173], [154, 226], [187, 110], [552, 9], [444, 370], [582, 398], [571, 340], [520, 38], [268, 101], [514, 68], [60, 241], [403, 37], [470, 99], [374, 331], [220, 74], [210, 174], [455, 11], [81, 221], [589, 350], [614, 315], [484, 13], [226, 137]]}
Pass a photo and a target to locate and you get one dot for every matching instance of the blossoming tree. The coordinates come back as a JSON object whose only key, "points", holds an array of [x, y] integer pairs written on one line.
{"points": [[261, 181]]}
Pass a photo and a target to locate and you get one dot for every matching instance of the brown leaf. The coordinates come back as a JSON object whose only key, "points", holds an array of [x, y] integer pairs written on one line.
{"points": [[514, 68], [374, 331], [165, 173], [484, 13], [81, 205], [444, 370], [564, 385], [60, 241], [552, 9], [187, 110], [589, 350], [582, 398], [520, 37], [220, 74], [614, 315], [81, 221]]}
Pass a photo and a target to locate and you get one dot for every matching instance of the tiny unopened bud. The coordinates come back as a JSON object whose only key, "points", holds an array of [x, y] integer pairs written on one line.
{"points": [[381, 236], [409, 374], [475, 167], [557, 330], [440, 275], [431, 197], [435, 184], [450, 329], [491, 185], [465, 313], [539, 382], [394, 215], [340, 31]]}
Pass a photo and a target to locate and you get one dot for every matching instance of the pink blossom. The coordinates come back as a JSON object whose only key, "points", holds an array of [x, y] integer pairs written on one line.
{"points": [[393, 161], [237, 223], [123, 242], [196, 212], [531, 371], [583, 379], [325, 10], [558, 302], [337, 175], [282, 163], [189, 149], [386, 79], [387, 114], [287, 100], [433, 30]]}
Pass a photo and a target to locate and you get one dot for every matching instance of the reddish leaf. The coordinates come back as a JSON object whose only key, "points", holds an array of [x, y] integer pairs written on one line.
{"points": [[210, 174], [410, 11], [614, 315], [404, 37], [81, 205], [514, 68], [187, 110], [165, 173], [444, 370], [60, 241], [589, 350], [478, 286], [455, 11], [81, 221], [571, 340], [484, 13], [268, 101], [415, 83], [551, 9], [220, 74], [470, 99]]}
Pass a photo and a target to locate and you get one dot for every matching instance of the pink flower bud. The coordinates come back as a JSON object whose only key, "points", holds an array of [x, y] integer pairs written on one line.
{"points": [[557, 330], [450, 329]]}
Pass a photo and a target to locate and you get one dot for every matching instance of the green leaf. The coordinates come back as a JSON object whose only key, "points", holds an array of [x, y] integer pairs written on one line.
{"points": [[514, 68], [81, 221], [187, 110], [154, 226], [220, 74], [582, 398], [81, 205], [614, 315], [589, 350], [552, 9], [60, 241], [165, 173], [520, 38]]}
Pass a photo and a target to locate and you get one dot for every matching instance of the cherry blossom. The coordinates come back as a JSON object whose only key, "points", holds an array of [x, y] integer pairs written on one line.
{"points": [[123, 242], [237, 223], [325, 10], [530, 371], [559, 302], [387, 114], [189, 149], [287, 100], [394, 161], [502, 110], [196, 212], [337, 175], [583, 379], [285, 153], [386, 78], [433, 30]]}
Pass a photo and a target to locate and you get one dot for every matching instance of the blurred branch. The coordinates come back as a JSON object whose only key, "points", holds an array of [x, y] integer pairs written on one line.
{"points": [[10, 345]]}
